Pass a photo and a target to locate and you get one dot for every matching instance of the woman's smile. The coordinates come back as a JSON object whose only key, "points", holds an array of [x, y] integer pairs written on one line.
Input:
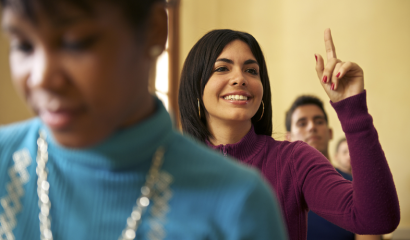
{"points": [[235, 83]]}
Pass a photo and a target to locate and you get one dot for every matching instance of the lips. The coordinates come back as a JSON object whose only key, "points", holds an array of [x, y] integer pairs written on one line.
{"points": [[313, 138], [60, 118], [237, 95]]}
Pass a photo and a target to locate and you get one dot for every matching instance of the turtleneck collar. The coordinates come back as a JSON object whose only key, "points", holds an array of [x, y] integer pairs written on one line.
{"points": [[125, 148], [244, 150]]}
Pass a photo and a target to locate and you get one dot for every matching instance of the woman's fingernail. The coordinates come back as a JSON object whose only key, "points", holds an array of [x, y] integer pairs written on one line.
{"points": [[338, 74], [324, 79], [333, 86], [316, 57]]}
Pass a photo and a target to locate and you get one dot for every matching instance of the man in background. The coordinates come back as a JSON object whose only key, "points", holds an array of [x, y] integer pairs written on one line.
{"points": [[307, 121]]}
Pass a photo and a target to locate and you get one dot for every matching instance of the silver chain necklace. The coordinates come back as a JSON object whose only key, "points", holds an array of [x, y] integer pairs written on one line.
{"points": [[43, 186]]}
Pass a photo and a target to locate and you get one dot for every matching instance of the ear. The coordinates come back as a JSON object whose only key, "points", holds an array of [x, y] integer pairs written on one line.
{"points": [[330, 134], [288, 136], [156, 30]]}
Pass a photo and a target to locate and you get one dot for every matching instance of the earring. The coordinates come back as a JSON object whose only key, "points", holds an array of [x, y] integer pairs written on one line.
{"points": [[263, 110], [199, 108], [155, 51]]}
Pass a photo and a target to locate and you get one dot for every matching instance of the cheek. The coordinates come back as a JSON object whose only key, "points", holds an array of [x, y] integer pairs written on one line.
{"points": [[213, 89], [297, 134], [259, 88], [106, 82], [20, 72]]}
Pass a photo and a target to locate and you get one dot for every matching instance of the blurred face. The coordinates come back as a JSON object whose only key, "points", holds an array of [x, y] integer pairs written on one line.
{"points": [[84, 75], [342, 157], [309, 125], [234, 91]]}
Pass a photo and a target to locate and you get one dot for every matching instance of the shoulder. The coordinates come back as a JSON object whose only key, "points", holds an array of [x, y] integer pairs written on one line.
{"points": [[208, 168], [234, 189], [14, 136], [16, 131], [204, 160], [290, 150]]}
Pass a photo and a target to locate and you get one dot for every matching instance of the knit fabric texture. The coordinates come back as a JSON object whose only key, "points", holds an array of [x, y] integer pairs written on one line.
{"points": [[200, 194], [304, 179]]}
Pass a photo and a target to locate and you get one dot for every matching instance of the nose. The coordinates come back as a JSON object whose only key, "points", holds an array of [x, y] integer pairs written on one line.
{"points": [[238, 78], [311, 126], [45, 72]]}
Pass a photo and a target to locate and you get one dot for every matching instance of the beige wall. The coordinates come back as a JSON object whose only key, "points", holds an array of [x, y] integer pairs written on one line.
{"points": [[375, 34], [11, 106]]}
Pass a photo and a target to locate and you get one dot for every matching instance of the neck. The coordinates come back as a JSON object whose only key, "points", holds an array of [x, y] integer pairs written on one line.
{"points": [[227, 132], [145, 110], [345, 170], [326, 154]]}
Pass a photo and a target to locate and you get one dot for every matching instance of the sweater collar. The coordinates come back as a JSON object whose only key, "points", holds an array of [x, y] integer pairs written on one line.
{"points": [[244, 150], [123, 149]]}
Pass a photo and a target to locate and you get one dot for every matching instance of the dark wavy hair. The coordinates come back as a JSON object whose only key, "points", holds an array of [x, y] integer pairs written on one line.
{"points": [[197, 70], [135, 11], [301, 101]]}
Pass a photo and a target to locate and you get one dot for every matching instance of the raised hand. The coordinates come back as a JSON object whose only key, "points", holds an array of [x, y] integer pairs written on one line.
{"points": [[339, 79]]}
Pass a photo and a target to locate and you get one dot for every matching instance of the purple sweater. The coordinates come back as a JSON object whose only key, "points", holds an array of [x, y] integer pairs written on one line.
{"points": [[304, 179]]}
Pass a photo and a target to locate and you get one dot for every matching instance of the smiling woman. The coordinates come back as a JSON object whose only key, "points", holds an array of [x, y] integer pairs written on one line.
{"points": [[225, 73], [225, 63], [108, 164]]}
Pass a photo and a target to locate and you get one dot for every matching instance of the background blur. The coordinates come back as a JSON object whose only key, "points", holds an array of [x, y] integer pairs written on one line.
{"points": [[375, 34]]}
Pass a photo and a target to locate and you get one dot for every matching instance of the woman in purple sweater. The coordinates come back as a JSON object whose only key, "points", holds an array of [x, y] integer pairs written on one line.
{"points": [[225, 102]]}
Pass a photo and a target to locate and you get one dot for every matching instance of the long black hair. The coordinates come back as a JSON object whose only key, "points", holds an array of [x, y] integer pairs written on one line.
{"points": [[197, 70]]}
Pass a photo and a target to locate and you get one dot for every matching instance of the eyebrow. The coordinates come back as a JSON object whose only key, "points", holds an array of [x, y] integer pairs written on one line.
{"points": [[59, 23], [68, 21], [247, 62], [314, 118]]}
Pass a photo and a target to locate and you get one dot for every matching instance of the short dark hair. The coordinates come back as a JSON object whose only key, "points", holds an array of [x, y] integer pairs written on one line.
{"points": [[301, 101], [135, 11], [197, 70], [338, 144]]}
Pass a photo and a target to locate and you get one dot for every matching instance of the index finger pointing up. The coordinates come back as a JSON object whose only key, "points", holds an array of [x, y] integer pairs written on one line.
{"points": [[330, 47]]}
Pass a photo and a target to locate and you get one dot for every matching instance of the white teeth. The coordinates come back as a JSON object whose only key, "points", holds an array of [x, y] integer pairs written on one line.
{"points": [[236, 97]]}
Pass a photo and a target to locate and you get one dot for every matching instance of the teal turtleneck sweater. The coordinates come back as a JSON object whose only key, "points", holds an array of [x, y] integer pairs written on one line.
{"points": [[93, 190]]}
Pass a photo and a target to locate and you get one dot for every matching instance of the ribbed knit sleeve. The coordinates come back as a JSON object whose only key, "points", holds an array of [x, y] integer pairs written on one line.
{"points": [[369, 204]]}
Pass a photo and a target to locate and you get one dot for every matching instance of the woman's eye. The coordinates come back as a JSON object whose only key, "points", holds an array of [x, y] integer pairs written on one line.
{"points": [[221, 69], [252, 71], [23, 47], [80, 45]]}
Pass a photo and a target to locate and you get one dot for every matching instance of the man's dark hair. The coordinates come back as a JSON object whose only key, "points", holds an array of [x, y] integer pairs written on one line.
{"points": [[136, 12], [338, 144], [301, 101], [197, 70]]}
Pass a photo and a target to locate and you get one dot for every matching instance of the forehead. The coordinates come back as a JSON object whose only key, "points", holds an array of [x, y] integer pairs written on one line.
{"points": [[237, 49], [102, 17], [308, 112], [343, 146], [32, 10]]}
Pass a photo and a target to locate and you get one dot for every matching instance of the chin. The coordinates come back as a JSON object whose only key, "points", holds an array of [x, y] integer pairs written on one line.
{"points": [[239, 118]]}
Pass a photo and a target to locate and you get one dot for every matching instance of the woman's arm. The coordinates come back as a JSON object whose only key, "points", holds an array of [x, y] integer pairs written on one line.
{"points": [[369, 204]]}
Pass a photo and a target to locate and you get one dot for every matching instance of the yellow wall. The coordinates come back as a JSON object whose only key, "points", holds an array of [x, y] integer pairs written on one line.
{"points": [[11, 106], [375, 34]]}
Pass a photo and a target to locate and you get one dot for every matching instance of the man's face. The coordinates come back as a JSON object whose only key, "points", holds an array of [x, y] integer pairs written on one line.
{"points": [[308, 124]]}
